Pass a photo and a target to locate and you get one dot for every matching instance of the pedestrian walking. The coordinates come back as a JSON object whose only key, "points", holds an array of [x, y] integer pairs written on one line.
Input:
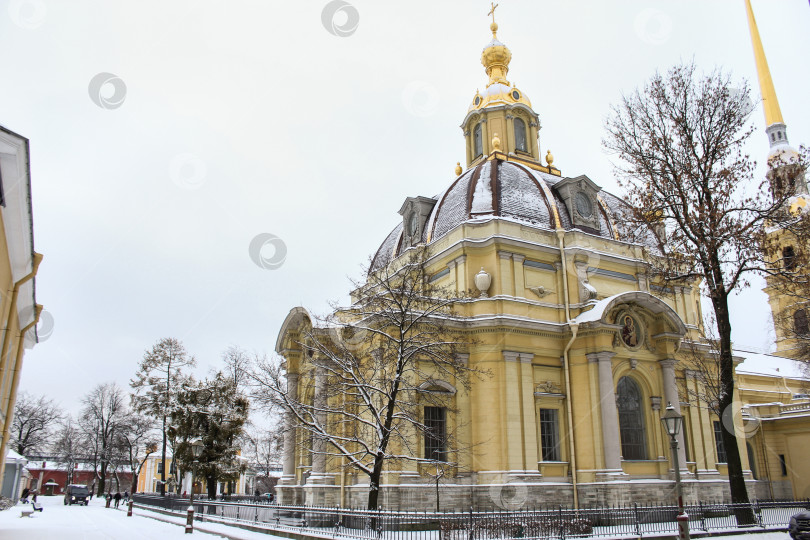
{"points": [[117, 498], [25, 493], [126, 496], [108, 497]]}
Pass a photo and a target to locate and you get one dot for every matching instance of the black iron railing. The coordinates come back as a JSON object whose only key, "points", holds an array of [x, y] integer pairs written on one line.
{"points": [[560, 522]]}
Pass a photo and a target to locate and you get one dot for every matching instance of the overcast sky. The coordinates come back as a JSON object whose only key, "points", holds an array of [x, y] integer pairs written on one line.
{"points": [[220, 121]]}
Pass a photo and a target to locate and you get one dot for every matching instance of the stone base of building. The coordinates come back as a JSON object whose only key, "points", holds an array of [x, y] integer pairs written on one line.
{"points": [[516, 495]]}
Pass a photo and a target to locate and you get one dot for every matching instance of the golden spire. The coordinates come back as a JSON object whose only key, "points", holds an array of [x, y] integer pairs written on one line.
{"points": [[773, 115]]}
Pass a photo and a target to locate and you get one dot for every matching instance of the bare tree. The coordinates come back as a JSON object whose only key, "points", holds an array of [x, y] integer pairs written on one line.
{"points": [[160, 374], [137, 442], [237, 363], [103, 416], [680, 141], [69, 446], [376, 367], [266, 450], [34, 420]]}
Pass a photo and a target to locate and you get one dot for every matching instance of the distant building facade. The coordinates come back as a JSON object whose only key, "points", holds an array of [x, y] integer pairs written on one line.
{"points": [[149, 480], [50, 476]]}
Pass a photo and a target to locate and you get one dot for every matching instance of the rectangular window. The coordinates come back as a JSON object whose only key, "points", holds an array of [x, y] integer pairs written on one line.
{"points": [[718, 442], [160, 467], [783, 464], [172, 468], [549, 435], [436, 433]]}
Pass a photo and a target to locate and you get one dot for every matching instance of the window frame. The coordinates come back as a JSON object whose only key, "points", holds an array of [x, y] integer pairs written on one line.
{"points": [[478, 140], [523, 131], [549, 434], [435, 434], [719, 446], [632, 450]]}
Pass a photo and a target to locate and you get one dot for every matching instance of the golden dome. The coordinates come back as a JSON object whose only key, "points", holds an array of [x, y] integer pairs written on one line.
{"points": [[495, 58]]}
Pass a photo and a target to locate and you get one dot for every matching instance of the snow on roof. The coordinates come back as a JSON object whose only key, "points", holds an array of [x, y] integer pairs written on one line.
{"points": [[14, 457], [769, 364], [597, 311]]}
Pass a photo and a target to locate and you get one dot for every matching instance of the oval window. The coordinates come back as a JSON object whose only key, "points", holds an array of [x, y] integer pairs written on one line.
{"points": [[515, 95], [477, 101]]}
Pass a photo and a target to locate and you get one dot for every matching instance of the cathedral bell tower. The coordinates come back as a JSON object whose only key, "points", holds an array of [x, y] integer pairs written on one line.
{"points": [[500, 118], [786, 180]]}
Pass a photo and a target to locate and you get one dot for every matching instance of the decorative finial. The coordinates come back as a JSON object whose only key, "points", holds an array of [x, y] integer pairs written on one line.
{"points": [[494, 25], [458, 168], [496, 143], [549, 158], [482, 281]]}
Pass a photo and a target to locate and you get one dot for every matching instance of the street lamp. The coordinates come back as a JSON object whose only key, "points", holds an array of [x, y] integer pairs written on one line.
{"points": [[196, 450], [672, 423]]}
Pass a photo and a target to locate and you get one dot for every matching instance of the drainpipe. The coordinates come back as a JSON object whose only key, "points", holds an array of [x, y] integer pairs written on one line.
{"points": [[12, 396], [12, 307], [574, 328]]}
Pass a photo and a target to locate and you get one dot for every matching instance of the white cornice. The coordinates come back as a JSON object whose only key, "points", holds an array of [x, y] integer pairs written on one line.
{"points": [[18, 220]]}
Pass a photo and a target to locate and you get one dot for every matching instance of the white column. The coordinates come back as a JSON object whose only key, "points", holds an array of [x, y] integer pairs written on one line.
{"points": [[611, 439], [289, 434], [671, 396]]}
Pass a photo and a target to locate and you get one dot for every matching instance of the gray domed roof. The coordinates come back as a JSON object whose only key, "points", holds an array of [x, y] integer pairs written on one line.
{"points": [[506, 190]]}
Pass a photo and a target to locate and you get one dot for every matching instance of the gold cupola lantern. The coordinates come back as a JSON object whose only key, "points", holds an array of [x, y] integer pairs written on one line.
{"points": [[495, 58], [500, 108]]}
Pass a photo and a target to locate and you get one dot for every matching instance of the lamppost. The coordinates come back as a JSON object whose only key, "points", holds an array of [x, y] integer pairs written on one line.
{"points": [[672, 423], [196, 449]]}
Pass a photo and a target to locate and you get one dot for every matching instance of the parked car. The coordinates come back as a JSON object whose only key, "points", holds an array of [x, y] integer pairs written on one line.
{"points": [[77, 494], [799, 527]]}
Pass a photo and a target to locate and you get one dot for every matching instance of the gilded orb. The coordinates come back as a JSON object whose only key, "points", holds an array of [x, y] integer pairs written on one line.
{"points": [[496, 143]]}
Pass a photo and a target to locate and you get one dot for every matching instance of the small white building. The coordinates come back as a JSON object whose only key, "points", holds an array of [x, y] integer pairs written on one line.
{"points": [[14, 476]]}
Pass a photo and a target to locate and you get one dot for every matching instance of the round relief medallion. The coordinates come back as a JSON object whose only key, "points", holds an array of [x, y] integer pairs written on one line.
{"points": [[584, 205]]}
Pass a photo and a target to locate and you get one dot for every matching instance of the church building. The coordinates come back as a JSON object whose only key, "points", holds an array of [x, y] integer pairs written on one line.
{"points": [[584, 348]]}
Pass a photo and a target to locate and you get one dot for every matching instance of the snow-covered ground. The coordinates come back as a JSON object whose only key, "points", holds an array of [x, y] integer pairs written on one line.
{"points": [[95, 522]]}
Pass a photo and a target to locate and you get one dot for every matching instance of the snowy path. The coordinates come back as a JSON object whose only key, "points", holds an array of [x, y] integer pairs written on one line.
{"points": [[95, 522]]}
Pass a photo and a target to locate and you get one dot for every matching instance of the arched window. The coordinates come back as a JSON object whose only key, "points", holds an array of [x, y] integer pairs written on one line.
{"points": [[800, 322], [520, 135], [631, 419], [789, 257], [478, 147]]}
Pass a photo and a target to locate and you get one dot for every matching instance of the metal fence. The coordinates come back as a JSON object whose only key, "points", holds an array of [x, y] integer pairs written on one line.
{"points": [[606, 522]]}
